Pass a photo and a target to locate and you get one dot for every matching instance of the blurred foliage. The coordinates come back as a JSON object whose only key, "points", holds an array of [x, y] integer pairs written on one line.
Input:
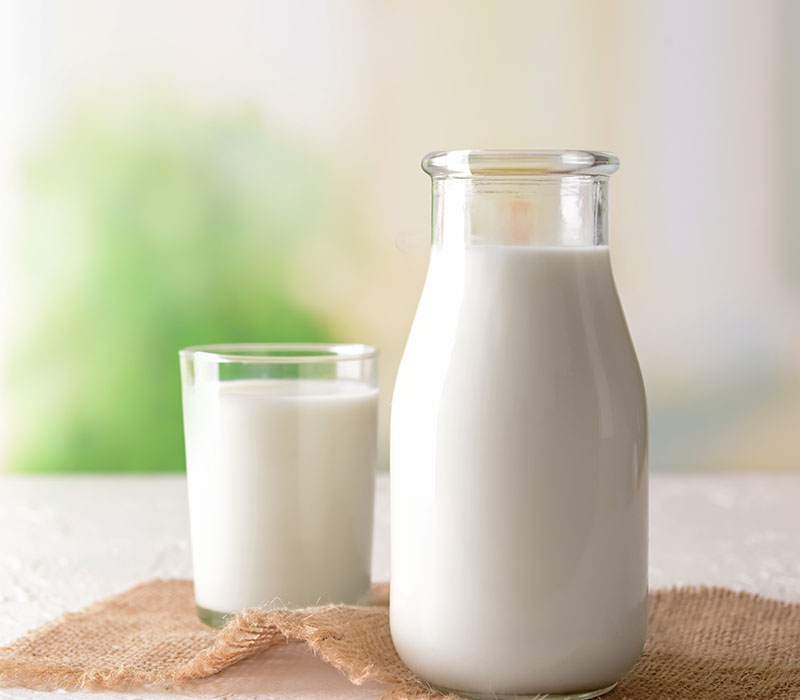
{"points": [[147, 231]]}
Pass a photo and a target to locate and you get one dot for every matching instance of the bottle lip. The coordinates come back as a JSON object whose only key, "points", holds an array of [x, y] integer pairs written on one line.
{"points": [[518, 164]]}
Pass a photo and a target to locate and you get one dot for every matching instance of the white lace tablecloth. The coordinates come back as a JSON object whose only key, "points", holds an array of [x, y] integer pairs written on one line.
{"points": [[69, 540]]}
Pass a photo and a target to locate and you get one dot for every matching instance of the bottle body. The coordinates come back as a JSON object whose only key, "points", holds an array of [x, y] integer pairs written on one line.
{"points": [[519, 475]]}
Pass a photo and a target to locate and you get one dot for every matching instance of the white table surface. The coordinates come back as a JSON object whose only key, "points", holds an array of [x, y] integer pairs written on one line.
{"points": [[69, 540]]}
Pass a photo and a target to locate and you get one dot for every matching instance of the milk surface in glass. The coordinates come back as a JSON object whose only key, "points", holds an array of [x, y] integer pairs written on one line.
{"points": [[519, 482]]}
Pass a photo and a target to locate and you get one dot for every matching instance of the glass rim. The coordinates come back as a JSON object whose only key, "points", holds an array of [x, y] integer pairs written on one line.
{"points": [[281, 353], [518, 163]]}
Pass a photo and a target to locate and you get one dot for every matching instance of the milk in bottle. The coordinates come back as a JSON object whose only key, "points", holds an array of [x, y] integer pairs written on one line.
{"points": [[519, 439]]}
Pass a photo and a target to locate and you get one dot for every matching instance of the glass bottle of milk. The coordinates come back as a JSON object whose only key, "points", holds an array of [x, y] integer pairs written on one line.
{"points": [[519, 438]]}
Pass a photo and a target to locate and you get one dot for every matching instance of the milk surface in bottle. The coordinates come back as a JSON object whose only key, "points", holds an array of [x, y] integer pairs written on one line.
{"points": [[518, 440]]}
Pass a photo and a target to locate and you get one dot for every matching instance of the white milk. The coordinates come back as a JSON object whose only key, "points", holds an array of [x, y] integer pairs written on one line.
{"points": [[519, 480], [281, 477]]}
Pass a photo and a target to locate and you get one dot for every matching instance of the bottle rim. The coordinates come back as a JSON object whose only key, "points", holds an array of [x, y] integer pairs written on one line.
{"points": [[518, 163]]}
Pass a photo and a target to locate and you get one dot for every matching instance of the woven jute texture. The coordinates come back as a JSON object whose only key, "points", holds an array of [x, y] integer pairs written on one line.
{"points": [[705, 643]]}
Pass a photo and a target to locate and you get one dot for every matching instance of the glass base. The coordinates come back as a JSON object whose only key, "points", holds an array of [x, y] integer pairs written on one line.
{"points": [[214, 618], [546, 696]]}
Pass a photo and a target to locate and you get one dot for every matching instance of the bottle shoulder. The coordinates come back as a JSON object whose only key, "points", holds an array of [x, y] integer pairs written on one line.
{"points": [[541, 320]]}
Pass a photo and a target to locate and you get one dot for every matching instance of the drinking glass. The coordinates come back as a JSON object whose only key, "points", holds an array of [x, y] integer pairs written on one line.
{"points": [[280, 456]]}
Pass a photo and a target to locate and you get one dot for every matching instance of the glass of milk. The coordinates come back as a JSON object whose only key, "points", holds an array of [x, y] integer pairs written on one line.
{"points": [[280, 456], [519, 438]]}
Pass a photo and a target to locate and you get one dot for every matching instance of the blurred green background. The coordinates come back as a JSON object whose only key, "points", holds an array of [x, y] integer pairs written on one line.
{"points": [[189, 172], [145, 233]]}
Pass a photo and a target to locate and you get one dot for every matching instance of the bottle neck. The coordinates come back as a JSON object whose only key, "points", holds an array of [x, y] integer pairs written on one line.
{"points": [[566, 211]]}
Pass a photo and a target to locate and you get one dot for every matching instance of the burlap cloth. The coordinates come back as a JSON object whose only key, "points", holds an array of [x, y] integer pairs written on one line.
{"points": [[705, 643]]}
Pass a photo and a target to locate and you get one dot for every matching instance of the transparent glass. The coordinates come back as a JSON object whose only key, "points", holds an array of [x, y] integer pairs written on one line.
{"points": [[519, 438], [546, 198], [280, 456]]}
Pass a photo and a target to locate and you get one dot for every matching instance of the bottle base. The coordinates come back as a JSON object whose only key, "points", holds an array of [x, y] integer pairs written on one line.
{"points": [[542, 696]]}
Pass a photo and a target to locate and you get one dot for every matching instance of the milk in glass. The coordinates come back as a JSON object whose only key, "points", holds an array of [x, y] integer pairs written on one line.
{"points": [[281, 477]]}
